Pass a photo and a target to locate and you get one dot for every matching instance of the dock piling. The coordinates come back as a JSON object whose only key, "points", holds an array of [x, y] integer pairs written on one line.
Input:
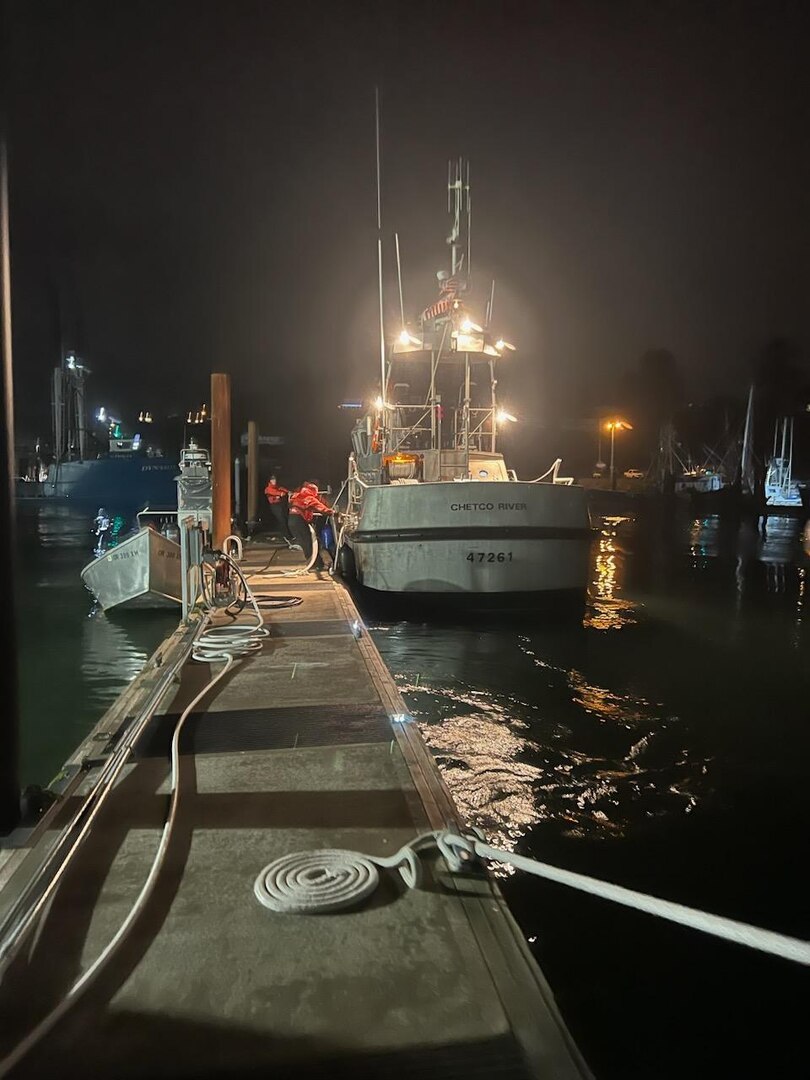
{"points": [[9, 714], [221, 455]]}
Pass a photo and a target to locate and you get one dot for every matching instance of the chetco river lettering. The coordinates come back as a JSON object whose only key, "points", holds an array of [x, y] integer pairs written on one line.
{"points": [[488, 506]]}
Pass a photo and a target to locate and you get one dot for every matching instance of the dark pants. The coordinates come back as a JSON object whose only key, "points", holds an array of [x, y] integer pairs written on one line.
{"points": [[302, 536], [278, 519]]}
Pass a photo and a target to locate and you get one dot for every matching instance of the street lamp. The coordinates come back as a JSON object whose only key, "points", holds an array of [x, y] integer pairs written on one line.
{"points": [[613, 426]]}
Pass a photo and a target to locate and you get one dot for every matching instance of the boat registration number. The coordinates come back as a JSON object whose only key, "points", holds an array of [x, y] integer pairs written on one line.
{"points": [[489, 556]]}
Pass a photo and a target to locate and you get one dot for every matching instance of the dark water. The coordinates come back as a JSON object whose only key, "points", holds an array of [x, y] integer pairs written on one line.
{"points": [[74, 661], [661, 742]]}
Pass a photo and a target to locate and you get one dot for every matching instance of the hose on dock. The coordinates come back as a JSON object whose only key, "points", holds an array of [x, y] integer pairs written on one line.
{"points": [[226, 644], [313, 882]]}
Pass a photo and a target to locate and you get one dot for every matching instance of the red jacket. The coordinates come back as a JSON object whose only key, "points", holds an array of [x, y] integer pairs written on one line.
{"points": [[306, 504], [275, 492]]}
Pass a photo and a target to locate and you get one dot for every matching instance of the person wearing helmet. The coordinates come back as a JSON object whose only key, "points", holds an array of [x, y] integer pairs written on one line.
{"points": [[305, 503]]}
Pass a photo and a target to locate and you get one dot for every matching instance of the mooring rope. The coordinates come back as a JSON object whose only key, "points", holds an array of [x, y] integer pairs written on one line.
{"points": [[332, 879]]}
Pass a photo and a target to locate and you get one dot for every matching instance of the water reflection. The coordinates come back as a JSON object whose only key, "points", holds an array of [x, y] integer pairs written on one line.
{"points": [[512, 763], [778, 548], [607, 608], [111, 656]]}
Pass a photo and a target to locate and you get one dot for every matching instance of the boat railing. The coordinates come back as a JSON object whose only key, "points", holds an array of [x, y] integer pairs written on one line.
{"points": [[553, 472]]}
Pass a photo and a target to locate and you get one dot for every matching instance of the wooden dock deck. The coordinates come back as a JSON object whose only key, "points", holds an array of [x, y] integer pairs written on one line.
{"points": [[295, 750]]}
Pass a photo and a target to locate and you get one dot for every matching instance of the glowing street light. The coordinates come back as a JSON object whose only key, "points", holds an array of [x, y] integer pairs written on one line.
{"points": [[613, 426]]}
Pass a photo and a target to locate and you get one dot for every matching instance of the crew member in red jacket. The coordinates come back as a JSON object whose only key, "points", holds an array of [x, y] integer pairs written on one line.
{"points": [[278, 500], [304, 504]]}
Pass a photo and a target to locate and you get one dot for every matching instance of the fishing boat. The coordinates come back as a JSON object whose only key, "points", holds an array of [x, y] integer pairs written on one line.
{"points": [[140, 571], [782, 492], [122, 471], [433, 508]]}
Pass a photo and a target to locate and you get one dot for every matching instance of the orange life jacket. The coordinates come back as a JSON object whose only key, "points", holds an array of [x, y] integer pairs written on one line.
{"points": [[275, 492], [306, 503]]}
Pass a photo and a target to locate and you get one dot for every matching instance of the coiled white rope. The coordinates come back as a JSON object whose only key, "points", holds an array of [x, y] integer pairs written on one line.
{"points": [[320, 881], [314, 882]]}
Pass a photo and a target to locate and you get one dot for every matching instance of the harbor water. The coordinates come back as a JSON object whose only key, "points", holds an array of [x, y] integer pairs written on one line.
{"points": [[660, 742]]}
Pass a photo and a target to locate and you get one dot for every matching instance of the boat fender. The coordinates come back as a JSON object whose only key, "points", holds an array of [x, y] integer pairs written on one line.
{"points": [[345, 563]]}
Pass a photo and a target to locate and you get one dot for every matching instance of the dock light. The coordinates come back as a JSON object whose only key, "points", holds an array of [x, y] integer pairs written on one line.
{"points": [[613, 426], [501, 344], [503, 417]]}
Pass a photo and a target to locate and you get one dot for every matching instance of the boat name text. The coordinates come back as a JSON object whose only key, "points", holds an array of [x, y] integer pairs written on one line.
{"points": [[488, 506]]}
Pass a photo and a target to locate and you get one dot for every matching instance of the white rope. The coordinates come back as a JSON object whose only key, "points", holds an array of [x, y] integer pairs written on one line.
{"points": [[303, 882], [315, 882], [217, 643]]}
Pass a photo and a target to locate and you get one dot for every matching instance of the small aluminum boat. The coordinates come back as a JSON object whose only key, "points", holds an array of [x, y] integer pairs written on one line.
{"points": [[142, 571]]}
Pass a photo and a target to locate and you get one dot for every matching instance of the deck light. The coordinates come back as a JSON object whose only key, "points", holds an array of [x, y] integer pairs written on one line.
{"points": [[468, 325], [501, 344], [404, 338], [503, 416], [378, 404]]}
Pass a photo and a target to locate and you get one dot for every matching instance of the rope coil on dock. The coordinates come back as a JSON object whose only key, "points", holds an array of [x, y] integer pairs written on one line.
{"points": [[317, 882], [320, 881]]}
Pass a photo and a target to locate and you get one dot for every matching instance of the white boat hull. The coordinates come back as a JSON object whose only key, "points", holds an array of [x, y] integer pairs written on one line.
{"points": [[475, 538], [141, 572]]}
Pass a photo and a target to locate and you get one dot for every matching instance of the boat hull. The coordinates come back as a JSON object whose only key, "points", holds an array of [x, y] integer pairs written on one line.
{"points": [[141, 572], [475, 539], [133, 481]]}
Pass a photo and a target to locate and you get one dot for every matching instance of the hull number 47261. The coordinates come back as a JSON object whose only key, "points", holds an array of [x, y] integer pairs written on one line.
{"points": [[489, 556]]}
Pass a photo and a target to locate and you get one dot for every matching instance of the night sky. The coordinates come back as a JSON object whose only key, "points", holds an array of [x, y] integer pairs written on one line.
{"points": [[195, 184]]}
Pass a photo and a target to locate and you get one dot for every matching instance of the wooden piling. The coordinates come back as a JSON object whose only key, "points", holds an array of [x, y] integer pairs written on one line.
{"points": [[253, 472], [221, 455]]}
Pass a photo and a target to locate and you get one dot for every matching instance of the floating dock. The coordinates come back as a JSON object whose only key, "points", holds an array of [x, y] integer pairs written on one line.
{"points": [[304, 745]]}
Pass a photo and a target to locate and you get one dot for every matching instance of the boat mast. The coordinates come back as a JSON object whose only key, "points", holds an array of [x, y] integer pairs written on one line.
{"points": [[746, 477], [379, 258]]}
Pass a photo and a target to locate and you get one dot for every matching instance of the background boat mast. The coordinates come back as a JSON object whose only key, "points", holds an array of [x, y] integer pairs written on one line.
{"points": [[379, 254]]}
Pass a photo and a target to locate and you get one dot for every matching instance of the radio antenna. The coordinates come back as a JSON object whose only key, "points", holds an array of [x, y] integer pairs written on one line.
{"points": [[399, 279]]}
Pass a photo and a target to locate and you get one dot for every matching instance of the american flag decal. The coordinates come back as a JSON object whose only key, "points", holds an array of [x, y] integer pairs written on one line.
{"points": [[441, 307]]}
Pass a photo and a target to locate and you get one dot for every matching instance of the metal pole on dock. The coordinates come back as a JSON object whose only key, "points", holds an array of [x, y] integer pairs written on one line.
{"points": [[253, 474], [221, 456], [9, 714], [237, 488]]}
